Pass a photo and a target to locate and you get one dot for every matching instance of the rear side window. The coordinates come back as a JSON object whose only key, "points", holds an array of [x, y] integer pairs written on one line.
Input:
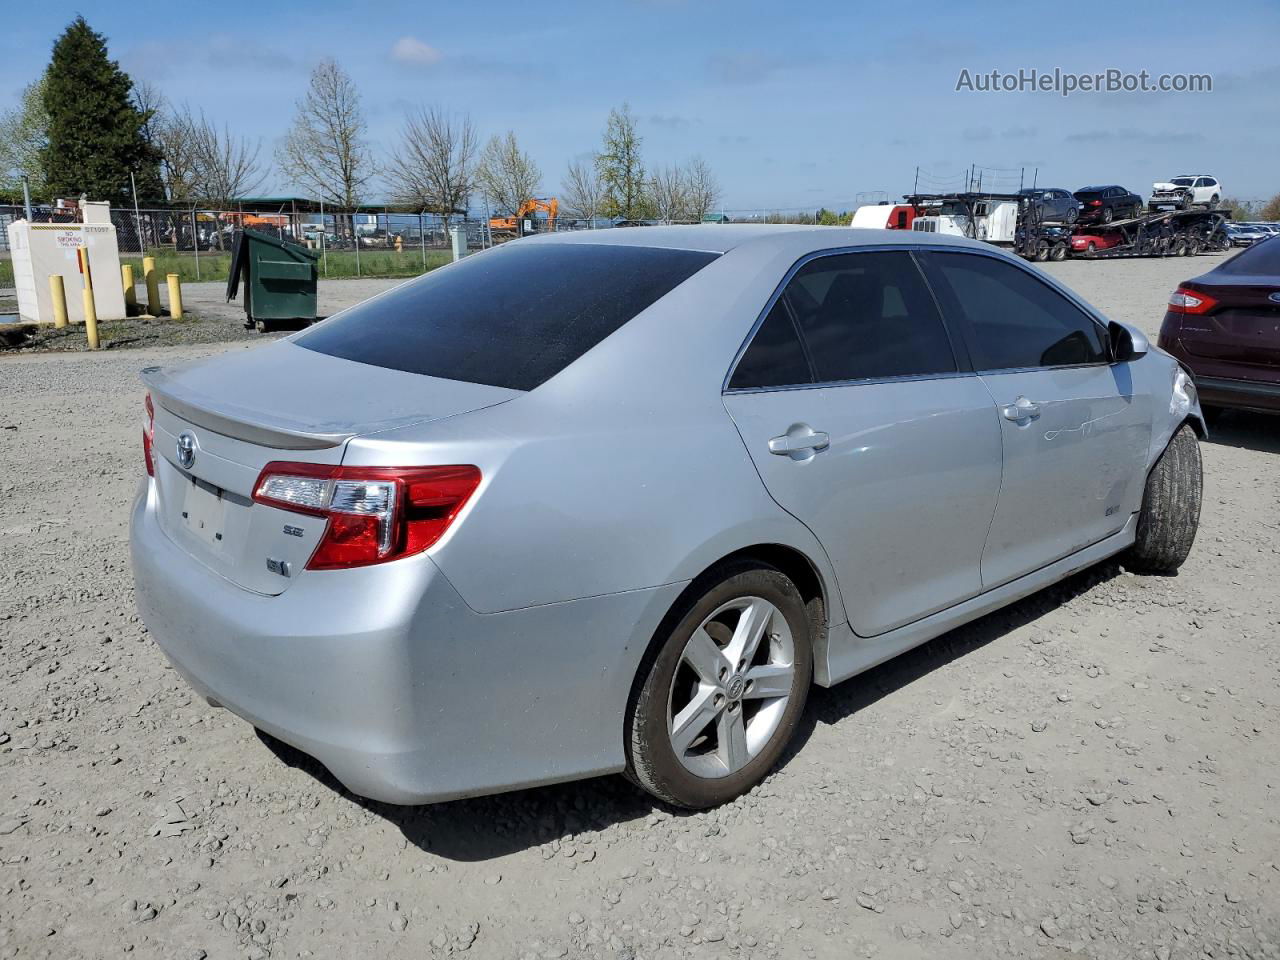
{"points": [[511, 318], [1014, 320], [869, 315], [1261, 259], [775, 357]]}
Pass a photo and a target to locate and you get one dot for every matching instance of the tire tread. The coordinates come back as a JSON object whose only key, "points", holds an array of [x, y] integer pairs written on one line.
{"points": [[1170, 506]]}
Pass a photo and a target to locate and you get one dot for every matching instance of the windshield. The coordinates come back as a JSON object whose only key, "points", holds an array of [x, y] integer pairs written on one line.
{"points": [[1181, 181], [513, 317]]}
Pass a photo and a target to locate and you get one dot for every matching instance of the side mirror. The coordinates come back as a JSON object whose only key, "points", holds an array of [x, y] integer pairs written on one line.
{"points": [[1126, 342]]}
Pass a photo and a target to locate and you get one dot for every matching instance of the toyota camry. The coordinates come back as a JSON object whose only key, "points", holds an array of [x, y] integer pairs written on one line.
{"points": [[613, 501]]}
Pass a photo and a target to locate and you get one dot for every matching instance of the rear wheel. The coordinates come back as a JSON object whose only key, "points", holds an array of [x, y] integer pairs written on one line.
{"points": [[725, 691], [1059, 252], [1170, 507], [1108, 214], [1042, 251]]}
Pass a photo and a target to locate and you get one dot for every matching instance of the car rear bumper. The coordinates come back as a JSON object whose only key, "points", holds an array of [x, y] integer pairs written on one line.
{"points": [[1249, 394], [389, 679]]}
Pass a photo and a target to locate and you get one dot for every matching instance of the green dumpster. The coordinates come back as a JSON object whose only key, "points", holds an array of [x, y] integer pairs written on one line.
{"points": [[279, 279]]}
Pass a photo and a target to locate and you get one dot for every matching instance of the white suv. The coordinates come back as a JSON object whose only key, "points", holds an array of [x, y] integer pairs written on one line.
{"points": [[1183, 192]]}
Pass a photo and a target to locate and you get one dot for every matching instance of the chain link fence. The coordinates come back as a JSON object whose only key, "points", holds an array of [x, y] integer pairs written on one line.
{"points": [[196, 242]]}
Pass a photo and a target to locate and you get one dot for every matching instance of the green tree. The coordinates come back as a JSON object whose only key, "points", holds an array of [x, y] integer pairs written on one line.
{"points": [[1271, 210], [24, 131], [622, 170], [97, 135]]}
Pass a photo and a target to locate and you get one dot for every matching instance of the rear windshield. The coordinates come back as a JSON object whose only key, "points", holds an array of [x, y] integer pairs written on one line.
{"points": [[511, 318], [1087, 194], [1262, 259]]}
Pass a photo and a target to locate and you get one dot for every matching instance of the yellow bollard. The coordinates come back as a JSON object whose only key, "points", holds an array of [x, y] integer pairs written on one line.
{"points": [[152, 277], [175, 296], [130, 294], [90, 311], [59, 294]]}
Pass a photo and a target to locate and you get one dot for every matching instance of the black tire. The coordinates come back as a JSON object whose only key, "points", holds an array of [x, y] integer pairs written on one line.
{"points": [[1042, 251], [651, 760], [1170, 507], [1213, 202], [1108, 214], [1071, 216], [1059, 252], [1091, 248]]}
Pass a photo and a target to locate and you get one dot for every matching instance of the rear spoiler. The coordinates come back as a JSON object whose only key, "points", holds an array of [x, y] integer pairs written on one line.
{"points": [[252, 426]]}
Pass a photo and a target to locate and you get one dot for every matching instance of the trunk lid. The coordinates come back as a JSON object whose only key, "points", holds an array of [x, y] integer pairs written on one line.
{"points": [[239, 411], [1245, 326]]}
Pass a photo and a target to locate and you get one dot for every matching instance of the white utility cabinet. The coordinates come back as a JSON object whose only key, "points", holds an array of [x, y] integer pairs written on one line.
{"points": [[42, 249]]}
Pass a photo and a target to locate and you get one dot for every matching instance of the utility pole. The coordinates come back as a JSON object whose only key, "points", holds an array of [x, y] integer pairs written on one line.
{"points": [[26, 196], [137, 217]]}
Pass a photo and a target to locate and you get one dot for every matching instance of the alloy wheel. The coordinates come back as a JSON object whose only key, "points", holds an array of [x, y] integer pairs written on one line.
{"points": [[730, 689]]}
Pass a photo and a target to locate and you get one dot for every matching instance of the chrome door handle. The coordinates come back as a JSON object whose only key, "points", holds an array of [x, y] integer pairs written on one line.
{"points": [[1020, 409], [800, 439]]}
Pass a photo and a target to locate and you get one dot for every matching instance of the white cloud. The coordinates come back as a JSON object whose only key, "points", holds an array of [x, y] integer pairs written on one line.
{"points": [[412, 50]]}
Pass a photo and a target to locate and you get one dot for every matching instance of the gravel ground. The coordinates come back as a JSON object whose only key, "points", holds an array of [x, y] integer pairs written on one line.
{"points": [[1090, 773]]}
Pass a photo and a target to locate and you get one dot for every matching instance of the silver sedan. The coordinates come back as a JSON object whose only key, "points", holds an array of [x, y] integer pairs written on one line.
{"points": [[612, 501]]}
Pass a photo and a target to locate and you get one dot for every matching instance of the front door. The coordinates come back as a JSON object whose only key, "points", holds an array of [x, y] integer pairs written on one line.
{"points": [[1075, 431], [863, 426]]}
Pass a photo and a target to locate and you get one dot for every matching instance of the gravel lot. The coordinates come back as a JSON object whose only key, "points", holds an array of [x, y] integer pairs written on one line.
{"points": [[1090, 773]]}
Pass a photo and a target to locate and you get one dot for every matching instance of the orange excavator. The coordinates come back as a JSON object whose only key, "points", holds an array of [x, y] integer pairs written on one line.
{"points": [[506, 228]]}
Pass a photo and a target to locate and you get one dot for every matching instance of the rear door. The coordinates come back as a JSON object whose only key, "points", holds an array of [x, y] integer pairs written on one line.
{"points": [[1075, 429], [865, 424]]}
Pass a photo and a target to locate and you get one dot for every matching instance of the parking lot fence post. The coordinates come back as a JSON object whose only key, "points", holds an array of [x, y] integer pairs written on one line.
{"points": [[59, 294], [90, 310], [175, 296], [130, 292], [152, 278]]}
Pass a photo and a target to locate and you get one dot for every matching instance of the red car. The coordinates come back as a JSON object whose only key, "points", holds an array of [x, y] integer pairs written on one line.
{"points": [[1091, 243], [1224, 327]]}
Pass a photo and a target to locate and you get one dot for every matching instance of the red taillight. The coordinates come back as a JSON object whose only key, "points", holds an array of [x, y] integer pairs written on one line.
{"points": [[149, 435], [1186, 300], [374, 514], [1095, 203]]}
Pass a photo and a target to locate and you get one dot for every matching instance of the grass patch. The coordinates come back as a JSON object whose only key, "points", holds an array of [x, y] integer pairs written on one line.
{"points": [[341, 263]]}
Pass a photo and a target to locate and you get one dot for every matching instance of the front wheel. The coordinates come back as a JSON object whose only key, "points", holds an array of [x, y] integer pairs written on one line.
{"points": [[1108, 215], [725, 691], [1170, 507]]}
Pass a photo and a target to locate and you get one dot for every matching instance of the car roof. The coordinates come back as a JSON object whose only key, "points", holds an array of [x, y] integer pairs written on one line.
{"points": [[721, 238], [1101, 186]]}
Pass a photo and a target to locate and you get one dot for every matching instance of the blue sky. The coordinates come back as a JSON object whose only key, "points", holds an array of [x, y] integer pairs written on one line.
{"points": [[793, 105]]}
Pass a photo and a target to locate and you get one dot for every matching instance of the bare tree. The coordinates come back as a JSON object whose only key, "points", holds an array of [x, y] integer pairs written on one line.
{"points": [[668, 194], [227, 166], [173, 134], [325, 151], [432, 169], [507, 175], [702, 189], [582, 191]]}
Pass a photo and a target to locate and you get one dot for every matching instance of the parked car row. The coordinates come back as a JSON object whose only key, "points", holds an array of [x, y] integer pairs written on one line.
{"points": [[1247, 234]]}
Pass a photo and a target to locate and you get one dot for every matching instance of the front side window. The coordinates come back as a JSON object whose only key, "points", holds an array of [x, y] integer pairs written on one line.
{"points": [[868, 315], [1014, 320]]}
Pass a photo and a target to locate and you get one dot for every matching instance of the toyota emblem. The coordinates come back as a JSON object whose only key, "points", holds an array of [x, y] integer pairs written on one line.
{"points": [[186, 451]]}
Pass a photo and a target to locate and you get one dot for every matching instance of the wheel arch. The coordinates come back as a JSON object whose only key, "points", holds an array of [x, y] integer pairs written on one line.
{"points": [[815, 590]]}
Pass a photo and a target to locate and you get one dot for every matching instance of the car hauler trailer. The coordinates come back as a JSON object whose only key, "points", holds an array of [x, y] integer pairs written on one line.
{"points": [[1174, 233], [1009, 220], [1018, 222]]}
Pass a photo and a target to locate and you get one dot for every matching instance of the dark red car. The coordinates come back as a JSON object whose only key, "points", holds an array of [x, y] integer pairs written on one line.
{"points": [[1225, 327]]}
